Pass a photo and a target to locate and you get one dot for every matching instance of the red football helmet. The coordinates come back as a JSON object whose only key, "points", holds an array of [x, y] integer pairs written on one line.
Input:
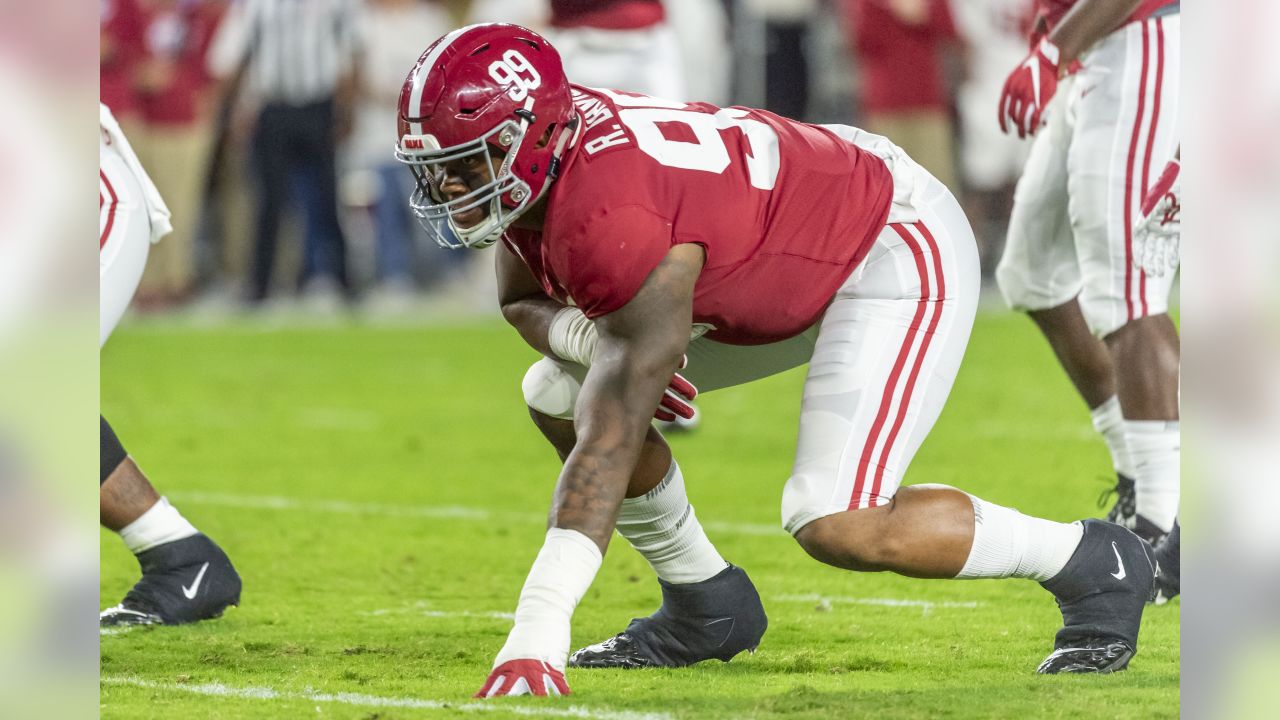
{"points": [[492, 86]]}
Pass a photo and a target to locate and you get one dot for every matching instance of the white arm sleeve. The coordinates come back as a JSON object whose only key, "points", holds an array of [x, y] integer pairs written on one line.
{"points": [[573, 337]]}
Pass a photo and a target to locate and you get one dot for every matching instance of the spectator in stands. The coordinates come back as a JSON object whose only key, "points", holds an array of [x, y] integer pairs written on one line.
{"points": [[899, 46], [119, 52], [173, 95]]}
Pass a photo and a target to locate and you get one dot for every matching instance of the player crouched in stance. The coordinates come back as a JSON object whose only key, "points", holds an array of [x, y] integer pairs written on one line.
{"points": [[631, 224], [186, 577]]}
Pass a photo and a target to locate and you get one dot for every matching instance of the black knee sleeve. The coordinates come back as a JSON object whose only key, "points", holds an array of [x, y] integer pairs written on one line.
{"points": [[111, 452]]}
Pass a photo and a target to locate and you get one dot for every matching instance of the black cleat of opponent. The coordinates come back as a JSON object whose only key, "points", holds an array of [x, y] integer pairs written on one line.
{"points": [[183, 581], [1169, 566], [1126, 506], [1101, 592], [1125, 510], [713, 619]]}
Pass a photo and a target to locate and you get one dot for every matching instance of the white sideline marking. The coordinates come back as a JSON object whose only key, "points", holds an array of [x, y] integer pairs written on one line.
{"points": [[360, 700], [455, 512], [825, 601], [423, 609]]}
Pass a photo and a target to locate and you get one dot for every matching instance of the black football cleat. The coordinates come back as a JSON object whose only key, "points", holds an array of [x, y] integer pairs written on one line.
{"points": [[1125, 510], [1126, 505], [183, 581], [1169, 566], [713, 619], [1101, 592]]}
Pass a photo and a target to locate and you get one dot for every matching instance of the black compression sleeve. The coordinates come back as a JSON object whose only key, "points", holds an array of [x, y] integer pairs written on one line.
{"points": [[111, 454]]}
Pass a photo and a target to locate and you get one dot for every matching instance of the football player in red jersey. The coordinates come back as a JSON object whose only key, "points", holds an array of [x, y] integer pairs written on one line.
{"points": [[640, 239], [1099, 92]]}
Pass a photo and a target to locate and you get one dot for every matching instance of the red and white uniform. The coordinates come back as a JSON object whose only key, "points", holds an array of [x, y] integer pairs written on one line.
{"points": [[624, 44], [1109, 131], [131, 216], [825, 245], [1054, 10]]}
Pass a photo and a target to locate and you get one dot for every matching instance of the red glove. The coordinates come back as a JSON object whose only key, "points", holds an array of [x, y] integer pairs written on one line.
{"points": [[524, 677], [678, 397], [1029, 88]]}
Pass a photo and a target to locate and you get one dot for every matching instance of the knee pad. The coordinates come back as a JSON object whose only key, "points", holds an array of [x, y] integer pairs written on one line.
{"points": [[552, 387]]}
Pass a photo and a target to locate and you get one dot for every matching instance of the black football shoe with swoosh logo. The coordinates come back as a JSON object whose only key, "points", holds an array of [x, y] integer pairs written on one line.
{"points": [[710, 620], [1101, 591], [183, 581]]}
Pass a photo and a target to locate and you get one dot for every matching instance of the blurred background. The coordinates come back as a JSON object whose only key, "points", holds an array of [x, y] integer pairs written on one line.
{"points": [[271, 138]]}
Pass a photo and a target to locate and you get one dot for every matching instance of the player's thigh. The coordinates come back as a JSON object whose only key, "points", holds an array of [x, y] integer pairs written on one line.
{"points": [[1039, 268], [124, 239], [1125, 128], [887, 354], [552, 386]]}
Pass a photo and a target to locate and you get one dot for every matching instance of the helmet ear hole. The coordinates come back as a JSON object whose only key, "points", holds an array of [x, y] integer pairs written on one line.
{"points": [[546, 136]]}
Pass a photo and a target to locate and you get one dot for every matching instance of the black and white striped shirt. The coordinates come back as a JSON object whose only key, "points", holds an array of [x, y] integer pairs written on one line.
{"points": [[297, 49]]}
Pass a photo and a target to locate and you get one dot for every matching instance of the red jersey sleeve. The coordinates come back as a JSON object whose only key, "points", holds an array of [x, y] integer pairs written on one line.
{"points": [[610, 255]]}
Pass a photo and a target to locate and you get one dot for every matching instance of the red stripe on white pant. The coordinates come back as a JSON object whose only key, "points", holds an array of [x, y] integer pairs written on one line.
{"points": [[924, 348], [111, 210], [1151, 139], [891, 385], [1128, 176]]}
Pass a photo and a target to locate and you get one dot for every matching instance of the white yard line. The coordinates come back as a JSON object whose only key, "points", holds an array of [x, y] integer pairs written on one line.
{"points": [[826, 601], [361, 700], [455, 512], [423, 609]]}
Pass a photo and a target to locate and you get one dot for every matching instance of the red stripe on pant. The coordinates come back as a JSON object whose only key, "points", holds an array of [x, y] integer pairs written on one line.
{"points": [[111, 210], [892, 383], [924, 348], [1151, 139], [1128, 175]]}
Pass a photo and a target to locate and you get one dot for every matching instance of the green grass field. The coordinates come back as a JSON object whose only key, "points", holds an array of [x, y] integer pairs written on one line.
{"points": [[383, 493]]}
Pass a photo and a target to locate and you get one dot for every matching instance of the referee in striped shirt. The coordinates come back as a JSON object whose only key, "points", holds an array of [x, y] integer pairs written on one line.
{"points": [[297, 60]]}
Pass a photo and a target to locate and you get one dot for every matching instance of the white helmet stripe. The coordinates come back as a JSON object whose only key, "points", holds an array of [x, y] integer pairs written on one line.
{"points": [[420, 79]]}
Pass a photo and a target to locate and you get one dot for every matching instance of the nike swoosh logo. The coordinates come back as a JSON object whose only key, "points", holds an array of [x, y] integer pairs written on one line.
{"points": [[1120, 573], [190, 592]]}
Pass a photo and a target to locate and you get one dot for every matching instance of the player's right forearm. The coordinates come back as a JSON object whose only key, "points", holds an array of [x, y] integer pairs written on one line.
{"points": [[532, 318], [1087, 23]]}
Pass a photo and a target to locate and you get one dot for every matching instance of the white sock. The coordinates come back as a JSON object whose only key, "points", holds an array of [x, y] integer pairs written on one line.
{"points": [[160, 524], [663, 527], [1007, 543], [1156, 448], [560, 576], [1109, 422]]}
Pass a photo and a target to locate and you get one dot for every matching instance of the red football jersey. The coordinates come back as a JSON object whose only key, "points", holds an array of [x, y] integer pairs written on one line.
{"points": [[1054, 10], [607, 14], [785, 211]]}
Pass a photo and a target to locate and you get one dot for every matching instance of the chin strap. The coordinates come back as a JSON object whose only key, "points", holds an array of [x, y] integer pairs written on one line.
{"points": [[568, 137]]}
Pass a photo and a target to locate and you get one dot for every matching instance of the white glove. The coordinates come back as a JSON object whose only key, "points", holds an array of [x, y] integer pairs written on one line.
{"points": [[1158, 234]]}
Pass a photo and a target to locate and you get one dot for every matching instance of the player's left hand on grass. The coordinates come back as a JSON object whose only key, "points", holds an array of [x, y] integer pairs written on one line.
{"points": [[1156, 237], [524, 677], [677, 400], [1029, 88]]}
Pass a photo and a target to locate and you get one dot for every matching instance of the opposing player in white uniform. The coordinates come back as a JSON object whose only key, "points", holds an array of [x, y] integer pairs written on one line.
{"points": [[1100, 93], [186, 577]]}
